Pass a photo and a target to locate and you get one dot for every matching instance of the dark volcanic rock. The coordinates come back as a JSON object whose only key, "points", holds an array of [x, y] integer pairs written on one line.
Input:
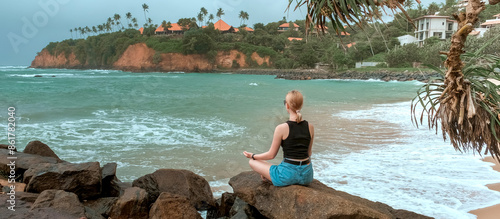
{"points": [[82, 179], [66, 203], [110, 183], [178, 182], [223, 206], [173, 206], [132, 204], [39, 148], [242, 210], [315, 201], [101, 206], [6, 146], [22, 162]]}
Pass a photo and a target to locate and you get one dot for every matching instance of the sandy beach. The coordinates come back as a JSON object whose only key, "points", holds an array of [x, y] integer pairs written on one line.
{"points": [[491, 212]]}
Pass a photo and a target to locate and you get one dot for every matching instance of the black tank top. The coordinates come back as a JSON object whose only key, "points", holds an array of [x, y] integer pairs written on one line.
{"points": [[296, 145]]}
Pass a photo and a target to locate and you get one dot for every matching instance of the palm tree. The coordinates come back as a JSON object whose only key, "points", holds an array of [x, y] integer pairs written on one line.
{"points": [[94, 29], [117, 18], [128, 15], [166, 25], [243, 16], [82, 32], [71, 31], [204, 12], [109, 22], [242, 13], [87, 29], [150, 21], [145, 7], [220, 13], [100, 28], [200, 18], [211, 18], [134, 20], [108, 27], [76, 32]]}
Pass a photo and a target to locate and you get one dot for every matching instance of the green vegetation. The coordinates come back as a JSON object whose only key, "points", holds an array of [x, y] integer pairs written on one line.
{"points": [[101, 45]]}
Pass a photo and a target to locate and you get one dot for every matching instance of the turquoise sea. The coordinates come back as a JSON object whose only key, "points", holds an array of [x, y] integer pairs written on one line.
{"points": [[365, 142]]}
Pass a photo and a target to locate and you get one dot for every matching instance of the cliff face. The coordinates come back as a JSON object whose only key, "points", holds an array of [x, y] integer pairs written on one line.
{"points": [[139, 58], [45, 60]]}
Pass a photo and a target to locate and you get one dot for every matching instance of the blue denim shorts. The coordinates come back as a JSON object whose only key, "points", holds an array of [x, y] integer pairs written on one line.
{"points": [[286, 174]]}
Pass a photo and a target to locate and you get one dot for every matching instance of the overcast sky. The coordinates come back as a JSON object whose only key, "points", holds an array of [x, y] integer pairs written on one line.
{"points": [[29, 25]]}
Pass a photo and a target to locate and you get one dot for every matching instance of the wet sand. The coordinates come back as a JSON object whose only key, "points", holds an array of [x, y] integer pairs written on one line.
{"points": [[491, 212]]}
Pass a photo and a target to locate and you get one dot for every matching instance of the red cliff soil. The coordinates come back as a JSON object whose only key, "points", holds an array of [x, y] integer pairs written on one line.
{"points": [[139, 58], [261, 60], [45, 60], [225, 59]]}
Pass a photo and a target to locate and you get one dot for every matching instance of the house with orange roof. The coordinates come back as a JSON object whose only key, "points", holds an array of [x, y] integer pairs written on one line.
{"points": [[286, 26], [248, 29], [174, 29], [223, 27]]}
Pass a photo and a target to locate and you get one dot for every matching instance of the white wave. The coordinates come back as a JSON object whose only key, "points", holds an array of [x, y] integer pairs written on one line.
{"points": [[253, 84], [43, 75], [14, 67], [417, 171]]}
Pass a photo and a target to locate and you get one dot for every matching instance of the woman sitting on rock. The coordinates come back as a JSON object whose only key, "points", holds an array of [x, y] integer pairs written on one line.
{"points": [[296, 137]]}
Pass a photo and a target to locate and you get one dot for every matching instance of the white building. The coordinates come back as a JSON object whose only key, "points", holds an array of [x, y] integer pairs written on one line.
{"points": [[407, 39], [434, 26], [492, 23], [479, 32]]}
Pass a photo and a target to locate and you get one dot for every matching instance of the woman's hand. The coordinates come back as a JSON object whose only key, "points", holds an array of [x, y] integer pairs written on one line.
{"points": [[247, 154]]}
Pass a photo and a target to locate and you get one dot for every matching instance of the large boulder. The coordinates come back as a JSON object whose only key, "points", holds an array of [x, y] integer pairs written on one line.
{"points": [[241, 209], [110, 183], [132, 204], [39, 148], [83, 179], [101, 206], [178, 182], [223, 206], [22, 162], [6, 146], [23, 202], [314, 201], [170, 206], [64, 203]]}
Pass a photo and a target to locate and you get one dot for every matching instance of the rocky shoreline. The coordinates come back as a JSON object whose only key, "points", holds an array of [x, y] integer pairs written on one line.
{"points": [[48, 187], [310, 74]]}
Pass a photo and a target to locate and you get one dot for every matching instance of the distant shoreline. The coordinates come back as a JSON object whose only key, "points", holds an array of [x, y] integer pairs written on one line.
{"points": [[309, 74]]}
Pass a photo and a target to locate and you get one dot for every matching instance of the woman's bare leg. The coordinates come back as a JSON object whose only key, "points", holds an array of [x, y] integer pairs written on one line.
{"points": [[261, 167]]}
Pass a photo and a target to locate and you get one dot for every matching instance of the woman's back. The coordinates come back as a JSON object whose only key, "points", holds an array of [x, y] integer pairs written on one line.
{"points": [[296, 144]]}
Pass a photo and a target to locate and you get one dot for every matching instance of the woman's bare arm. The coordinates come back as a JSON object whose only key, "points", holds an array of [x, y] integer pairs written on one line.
{"points": [[275, 145]]}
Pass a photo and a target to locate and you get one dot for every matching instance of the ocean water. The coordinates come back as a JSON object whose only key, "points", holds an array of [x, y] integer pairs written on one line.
{"points": [[365, 142]]}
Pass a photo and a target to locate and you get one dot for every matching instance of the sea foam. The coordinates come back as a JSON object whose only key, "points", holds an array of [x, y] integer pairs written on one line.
{"points": [[417, 171]]}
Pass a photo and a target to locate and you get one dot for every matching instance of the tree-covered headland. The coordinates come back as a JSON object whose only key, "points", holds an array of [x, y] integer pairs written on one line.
{"points": [[103, 44]]}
